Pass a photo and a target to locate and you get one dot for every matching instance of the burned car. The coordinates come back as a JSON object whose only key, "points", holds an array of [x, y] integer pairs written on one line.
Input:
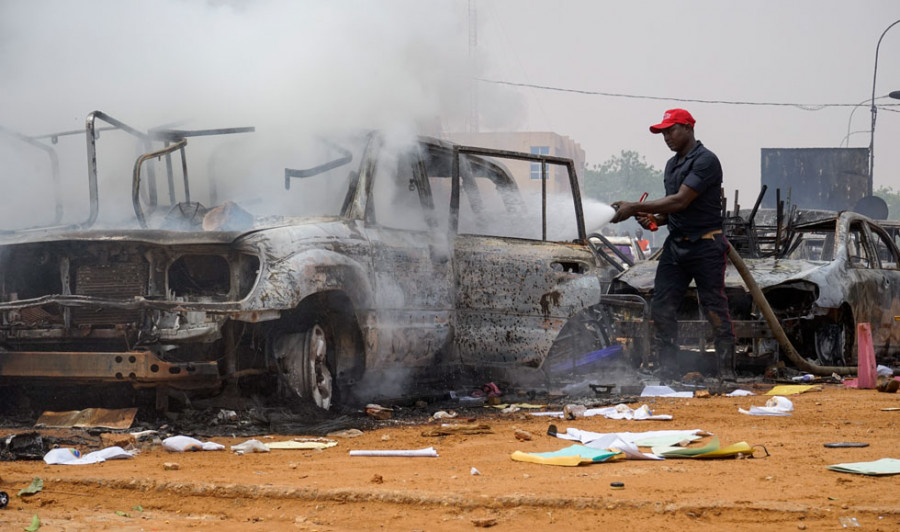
{"points": [[422, 260], [821, 274]]}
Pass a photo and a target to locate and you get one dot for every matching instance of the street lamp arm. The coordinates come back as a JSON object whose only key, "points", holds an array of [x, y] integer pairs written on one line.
{"points": [[874, 108]]}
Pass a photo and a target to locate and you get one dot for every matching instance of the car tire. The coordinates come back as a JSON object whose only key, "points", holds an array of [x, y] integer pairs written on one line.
{"points": [[834, 339], [319, 358]]}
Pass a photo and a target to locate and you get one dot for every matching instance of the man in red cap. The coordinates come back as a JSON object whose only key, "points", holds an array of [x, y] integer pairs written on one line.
{"points": [[695, 248]]}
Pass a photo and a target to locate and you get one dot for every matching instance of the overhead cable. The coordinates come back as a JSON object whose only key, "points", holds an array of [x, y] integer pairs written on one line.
{"points": [[803, 106]]}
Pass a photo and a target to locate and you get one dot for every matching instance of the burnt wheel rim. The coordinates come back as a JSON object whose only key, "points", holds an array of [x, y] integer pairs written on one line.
{"points": [[317, 375]]}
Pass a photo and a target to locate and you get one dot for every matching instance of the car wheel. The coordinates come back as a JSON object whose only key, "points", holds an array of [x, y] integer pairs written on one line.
{"points": [[305, 359], [834, 340]]}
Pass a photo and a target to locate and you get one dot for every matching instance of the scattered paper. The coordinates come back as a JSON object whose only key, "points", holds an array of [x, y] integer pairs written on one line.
{"points": [[613, 442], [620, 411], [794, 389], [573, 455], [36, 485], [180, 444], [663, 391], [884, 466], [428, 451], [301, 443], [69, 456], [250, 446], [739, 393], [713, 449], [641, 439], [776, 406], [518, 405]]}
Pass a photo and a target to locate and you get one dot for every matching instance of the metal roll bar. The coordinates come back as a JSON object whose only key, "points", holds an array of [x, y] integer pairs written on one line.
{"points": [[92, 134], [136, 181]]}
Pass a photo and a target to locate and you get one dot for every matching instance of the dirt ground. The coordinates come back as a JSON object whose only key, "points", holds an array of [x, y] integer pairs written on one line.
{"points": [[329, 490]]}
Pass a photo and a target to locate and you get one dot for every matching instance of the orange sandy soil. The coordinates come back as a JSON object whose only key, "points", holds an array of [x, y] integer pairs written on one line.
{"points": [[329, 490]]}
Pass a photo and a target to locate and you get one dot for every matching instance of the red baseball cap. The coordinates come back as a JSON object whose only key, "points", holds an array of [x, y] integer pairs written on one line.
{"points": [[672, 117]]}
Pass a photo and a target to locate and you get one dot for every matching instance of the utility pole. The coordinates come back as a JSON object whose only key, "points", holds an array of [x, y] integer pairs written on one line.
{"points": [[472, 122]]}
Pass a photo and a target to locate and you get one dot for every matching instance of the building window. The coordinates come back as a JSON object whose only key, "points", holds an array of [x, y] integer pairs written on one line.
{"points": [[536, 167]]}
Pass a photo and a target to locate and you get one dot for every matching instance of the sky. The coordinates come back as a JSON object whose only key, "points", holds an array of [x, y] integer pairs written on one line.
{"points": [[405, 64], [807, 52]]}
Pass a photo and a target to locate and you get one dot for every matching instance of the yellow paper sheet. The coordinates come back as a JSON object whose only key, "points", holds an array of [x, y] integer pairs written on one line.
{"points": [[794, 389], [730, 451]]}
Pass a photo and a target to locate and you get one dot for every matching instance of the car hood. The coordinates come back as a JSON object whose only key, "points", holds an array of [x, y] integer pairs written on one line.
{"points": [[766, 272], [152, 236]]}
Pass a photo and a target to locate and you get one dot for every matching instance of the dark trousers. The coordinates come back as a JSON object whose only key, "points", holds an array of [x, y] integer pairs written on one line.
{"points": [[703, 261]]}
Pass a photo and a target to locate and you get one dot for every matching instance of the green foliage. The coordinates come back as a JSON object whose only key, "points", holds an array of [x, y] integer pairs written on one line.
{"points": [[892, 198], [623, 177]]}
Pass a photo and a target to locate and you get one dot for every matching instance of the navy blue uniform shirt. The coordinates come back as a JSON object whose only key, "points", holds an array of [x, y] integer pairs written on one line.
{"points": [[701, 171]]}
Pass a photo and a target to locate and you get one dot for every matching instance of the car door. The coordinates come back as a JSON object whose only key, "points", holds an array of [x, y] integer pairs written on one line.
{"points": [[519, 274], [886, 265], [867, 289], [414, 284]]}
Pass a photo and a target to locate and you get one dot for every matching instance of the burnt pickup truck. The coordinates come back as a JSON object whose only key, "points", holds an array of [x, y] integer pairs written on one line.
{"points": [[371, 267], [822, 273]]}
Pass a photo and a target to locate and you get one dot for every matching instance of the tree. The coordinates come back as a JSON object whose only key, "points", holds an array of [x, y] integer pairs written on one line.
{"points": [[892, 198], [623, 177]]}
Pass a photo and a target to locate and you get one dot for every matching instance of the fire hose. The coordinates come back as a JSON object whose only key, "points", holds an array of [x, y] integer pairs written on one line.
{"points": [[760, 300]]}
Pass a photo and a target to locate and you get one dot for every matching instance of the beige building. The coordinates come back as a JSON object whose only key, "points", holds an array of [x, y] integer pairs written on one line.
{"points": [[528, 174]]}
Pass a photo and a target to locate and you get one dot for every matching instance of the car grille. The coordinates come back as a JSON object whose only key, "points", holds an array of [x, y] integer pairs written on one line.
{"points": [[121, 281]]}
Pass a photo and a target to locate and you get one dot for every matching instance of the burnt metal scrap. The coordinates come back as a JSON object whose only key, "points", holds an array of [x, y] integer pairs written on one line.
{"points": [[431, 263]]}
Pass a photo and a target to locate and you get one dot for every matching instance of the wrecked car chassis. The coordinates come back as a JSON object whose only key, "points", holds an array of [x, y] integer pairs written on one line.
{"points": [[326, 307]]}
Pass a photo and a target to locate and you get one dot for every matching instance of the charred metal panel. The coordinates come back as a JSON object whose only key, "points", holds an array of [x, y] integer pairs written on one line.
{"points": [[131, 366], [514, 296], [817, 178]]}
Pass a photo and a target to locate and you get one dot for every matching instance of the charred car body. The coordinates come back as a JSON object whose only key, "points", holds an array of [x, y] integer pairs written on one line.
{"points": [[428, 262], [822, 273]]}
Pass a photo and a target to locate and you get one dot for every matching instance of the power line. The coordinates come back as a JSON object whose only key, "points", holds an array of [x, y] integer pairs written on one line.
{"points": [[803, 106]]}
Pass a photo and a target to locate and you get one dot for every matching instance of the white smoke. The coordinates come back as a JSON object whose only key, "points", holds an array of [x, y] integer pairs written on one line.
{"points": [[285, 67]]}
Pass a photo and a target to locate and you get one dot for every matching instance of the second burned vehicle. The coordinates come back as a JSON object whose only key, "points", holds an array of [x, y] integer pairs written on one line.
{"points": [[821, 273], [356, 264]]}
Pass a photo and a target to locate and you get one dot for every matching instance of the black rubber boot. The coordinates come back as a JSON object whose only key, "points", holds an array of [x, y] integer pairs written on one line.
{"points": [[668, 367], [725, 362]]}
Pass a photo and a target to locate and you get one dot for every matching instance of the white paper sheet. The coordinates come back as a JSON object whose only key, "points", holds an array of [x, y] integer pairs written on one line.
{"points": [[776, 406], [663, 391], [69, 456], [620, 411], [428, 451], [180, 444], [641, 439]]}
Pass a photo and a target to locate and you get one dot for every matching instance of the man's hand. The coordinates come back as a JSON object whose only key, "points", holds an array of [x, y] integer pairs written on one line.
{"points": [[647, 221], [624, 210]]}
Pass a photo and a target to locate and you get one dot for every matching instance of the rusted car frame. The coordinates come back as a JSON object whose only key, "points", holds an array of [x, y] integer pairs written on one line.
{"points": [[433, 266]]}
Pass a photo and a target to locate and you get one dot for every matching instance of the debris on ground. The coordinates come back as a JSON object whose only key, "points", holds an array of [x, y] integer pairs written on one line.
{"points": [[35, 487], [119, 418], [523, 435], [180, 444], [379, 412], [303, 443], [884, 466], [573, 455], [776, 406], [70, 456], [250, 446], [467, 429], [426, 452]]}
